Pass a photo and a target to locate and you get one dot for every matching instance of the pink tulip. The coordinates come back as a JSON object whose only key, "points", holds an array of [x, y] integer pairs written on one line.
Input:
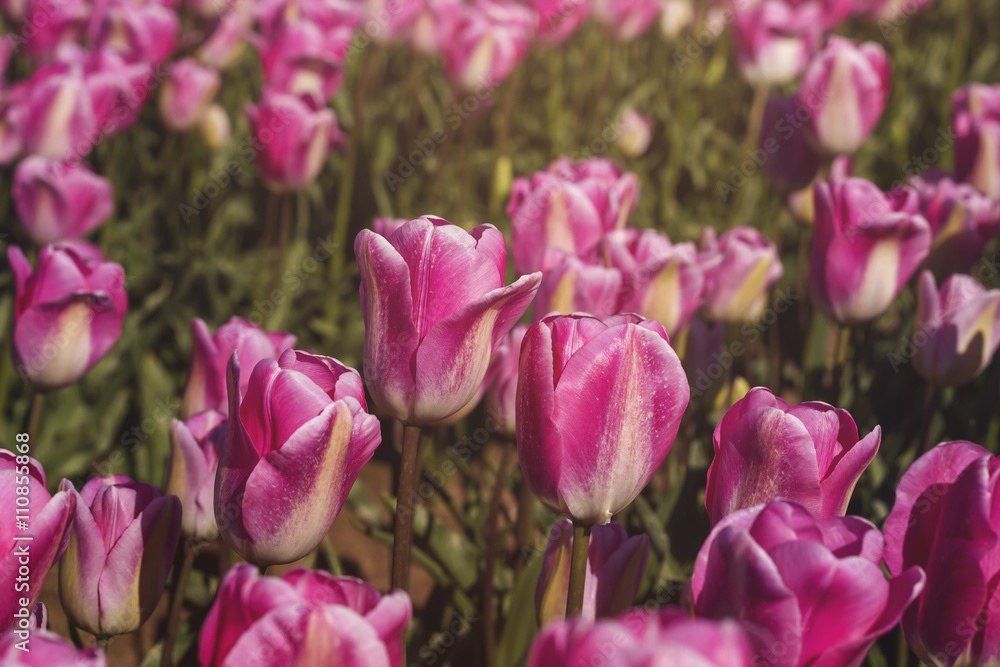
{"points": [[573, 285], [186, 93], [391, 19], [47, 649], [558, 19], [945, 521], [306, 617], [774, 39], [227, 41], [435, 310], [975, 112], [67, 315], [626, 19], [120, 551], [957, 330], [490, 39], [809, 592], [195, 446], [295, 139], [865, 248], [739, 269], [502, 393], [762, 437], [598, 407], [635, 131], [48, 24], [789, 160], [295, 443], [138, 32], [615, 565], [215, 126], [58, 113], [301, 58], [14, 9], [434, 27], [642, 639], [118, 90], [386, 226], [568, 207], [58, 201], [26, 561]]}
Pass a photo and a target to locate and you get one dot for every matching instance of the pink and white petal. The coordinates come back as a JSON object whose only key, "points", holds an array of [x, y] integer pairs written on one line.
{"points": [[843, 477]]}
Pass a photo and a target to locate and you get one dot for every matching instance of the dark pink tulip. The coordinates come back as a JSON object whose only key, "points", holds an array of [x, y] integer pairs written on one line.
{"points": [[740, 267], [295, 443], [48, 518], [47, 649], [306, 617], [490, 39], [386, 226], [501, 397], [303, 59], [615, 565], [766, 449], [435, 310], [58, 201], [558, 19], [642, 639], [626, 19], [138, 32], [58, 113], [435, 25], [865, 248], [568, 207], [118, 89], [67, 315], [573, 285], [195, 446], [945, 520], [210, 353], [186, 93], [228, 39], [50, 23], [120, 551], [975, 112], [598, 407], [789, 160], [774, 39], [957, 330], [809, 592]]}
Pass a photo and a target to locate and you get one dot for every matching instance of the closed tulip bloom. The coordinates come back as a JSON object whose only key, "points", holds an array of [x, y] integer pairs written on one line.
{"points": [[615, 565], [138, 32], [120, 551], [435, 25], [598, 407], [58, 201], [626, 19], [304, 618], [435, 309], [53, 24], [502, 393], [809, 592], [976, 123], [47, 649], [67, 315], [945, 520], [186, 93], [762, 437], [118, 89], [774, 40], [635, 133], [300, 58], [490, 39], [295, 443], [740, 266], [58, 113], [558, 19], [865, 248], [48, 518], [195, 446], [573, 285]]}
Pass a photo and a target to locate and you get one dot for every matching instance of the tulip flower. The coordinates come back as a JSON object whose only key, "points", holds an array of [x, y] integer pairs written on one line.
{"points": [[306, 617], [67, 315], [615, 565], [774, 39], [57, 201], [664, 281], [26, 562], [393, 19], [807, 591], [227, 41], [976, 124], [120, 551], [501, 395], [789, 160], [195, 446], [865, 248], [739, 268], [573, 285], [435, 309], [139, 32], [490, 39], [295, 443], [215, 126], [58, 113], [49, 25], [676, 16], [845, 90], [47, 649], [295, 139], [642, 639], [945, 521], [386, 226], [558, 19], [118, 89], [186, 93], [598, 407], [635, 133], [435, 25], [762, 436], [568, 207], [626, 19], [302, 59]]}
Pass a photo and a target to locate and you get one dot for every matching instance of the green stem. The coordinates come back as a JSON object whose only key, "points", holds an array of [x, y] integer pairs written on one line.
{"points": [[35, 416], [525, 521], [744, 201], [492, 529], [578, 569], [403, 529], [186, 558]]}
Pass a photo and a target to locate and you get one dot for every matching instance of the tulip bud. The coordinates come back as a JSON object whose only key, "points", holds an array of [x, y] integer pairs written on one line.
{"points": [[302, 59], [120, 551], [558, 19], [215, 126], [58, 201], [774, 40], [427, 351], [139, 32], [47, 649], [615, 565], [739, 268], [434, 27], [626, 19], [573, 285], [976, 125], [186, 93], [490, 39], [501, 395], [67, 315], [635, 133], [195, 446]]}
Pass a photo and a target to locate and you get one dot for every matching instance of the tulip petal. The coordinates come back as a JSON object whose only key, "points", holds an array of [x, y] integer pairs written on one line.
{"points": [[81, 567], [845, 473]]}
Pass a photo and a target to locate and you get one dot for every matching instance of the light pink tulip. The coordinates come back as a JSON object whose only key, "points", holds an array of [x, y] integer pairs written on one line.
{"points": [[186, 93], [501, 397], [635, 131], [558, 19], [228, 39], [59, 201], [195, 446], [739, 269], [975, 112], [490, 39], [139, 32], [626, 19], [47, 649], [118, 90], [572, 285], [434, 27], [774, 39]]}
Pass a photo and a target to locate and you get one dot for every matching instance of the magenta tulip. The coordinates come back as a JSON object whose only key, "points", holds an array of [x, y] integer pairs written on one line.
{"points": [[739, 269], [118, 90], [227, 41], [761, 438], [615, 565], [976, 124], [68, 315], [774, 39], [946, 521], [139, 32], [186, 93], [386, 226], [572, 285], [58, 201], [626, 19], [58, 113], [865, 248], [295, 443], [120, 551], [49, 25], [29, 549], [598, 407], [301, 58], [809, 592], [490, 39], [47, 649], [435, 310], [306, 617], [502, 393], [558, 19], [434, 27], [195, 446]]}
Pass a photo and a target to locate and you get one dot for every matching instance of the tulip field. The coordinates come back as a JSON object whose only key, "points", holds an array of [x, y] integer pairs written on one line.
{"points": [[500, 333]]}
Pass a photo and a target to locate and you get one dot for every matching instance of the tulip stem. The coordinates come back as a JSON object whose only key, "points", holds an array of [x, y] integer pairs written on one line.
{"points": [[403, 535], [931, 402], [525, 523], [743, 206], [578, 569], [492, 528], [35, 416], [181, 575]]}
